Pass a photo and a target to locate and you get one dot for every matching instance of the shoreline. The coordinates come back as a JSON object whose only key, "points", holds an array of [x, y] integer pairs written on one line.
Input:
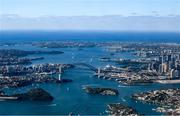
{"points": [[168, 81]]}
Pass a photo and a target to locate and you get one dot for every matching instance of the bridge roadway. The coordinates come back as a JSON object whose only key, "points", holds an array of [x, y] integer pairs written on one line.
{"points": [[96, 69]]}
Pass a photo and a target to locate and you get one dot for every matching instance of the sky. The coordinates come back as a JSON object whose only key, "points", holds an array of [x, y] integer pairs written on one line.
{"points": [[149, 15], [35, 8]]}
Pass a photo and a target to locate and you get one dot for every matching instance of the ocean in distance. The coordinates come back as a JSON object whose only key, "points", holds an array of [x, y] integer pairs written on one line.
{"points": [[70, 97], [15, 36]]}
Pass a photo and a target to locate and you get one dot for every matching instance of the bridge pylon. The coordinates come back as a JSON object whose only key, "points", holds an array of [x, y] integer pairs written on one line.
{"points": [[60, 72]]}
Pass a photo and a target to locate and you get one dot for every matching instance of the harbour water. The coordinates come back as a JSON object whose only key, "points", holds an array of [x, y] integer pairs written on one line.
{"points": [[70, 97]]}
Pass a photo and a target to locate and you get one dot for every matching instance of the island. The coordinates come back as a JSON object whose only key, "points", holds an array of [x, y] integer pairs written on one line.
{"points": [[101, 91]]}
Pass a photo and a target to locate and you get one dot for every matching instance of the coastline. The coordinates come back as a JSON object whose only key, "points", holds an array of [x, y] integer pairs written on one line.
{"points": [[168, 81]]}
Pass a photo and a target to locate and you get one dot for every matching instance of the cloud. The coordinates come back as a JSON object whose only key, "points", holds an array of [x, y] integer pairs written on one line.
{"points": [[154, 12], [111, 22], [9, 15]]}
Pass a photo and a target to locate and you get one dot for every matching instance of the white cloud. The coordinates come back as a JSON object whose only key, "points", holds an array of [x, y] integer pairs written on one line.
{"points": [[113, 23]]}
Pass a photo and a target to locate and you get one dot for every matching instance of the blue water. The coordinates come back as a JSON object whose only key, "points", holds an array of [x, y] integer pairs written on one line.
{"points": [[70, 97], [100, 36]]}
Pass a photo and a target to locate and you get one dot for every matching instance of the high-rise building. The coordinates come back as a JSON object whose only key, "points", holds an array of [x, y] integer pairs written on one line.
{"points": [[169, 57], [171, 73], [161, 59], [163, 68]]}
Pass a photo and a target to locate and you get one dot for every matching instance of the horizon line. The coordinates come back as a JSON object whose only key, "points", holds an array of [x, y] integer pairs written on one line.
{"points": [[110, 15], [68, 30]]}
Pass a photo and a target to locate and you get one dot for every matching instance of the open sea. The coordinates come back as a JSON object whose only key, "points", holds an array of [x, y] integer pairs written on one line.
{"points": [[70, 97], [16, 36]]}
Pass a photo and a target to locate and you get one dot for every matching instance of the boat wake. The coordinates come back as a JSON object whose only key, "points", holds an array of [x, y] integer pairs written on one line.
{"points": [[52, 105], [122, 86], [95, 85], [123, 99]]}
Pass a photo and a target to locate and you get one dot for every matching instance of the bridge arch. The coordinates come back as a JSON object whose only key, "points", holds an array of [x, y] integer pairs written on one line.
{"points": [[86, 65]]}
